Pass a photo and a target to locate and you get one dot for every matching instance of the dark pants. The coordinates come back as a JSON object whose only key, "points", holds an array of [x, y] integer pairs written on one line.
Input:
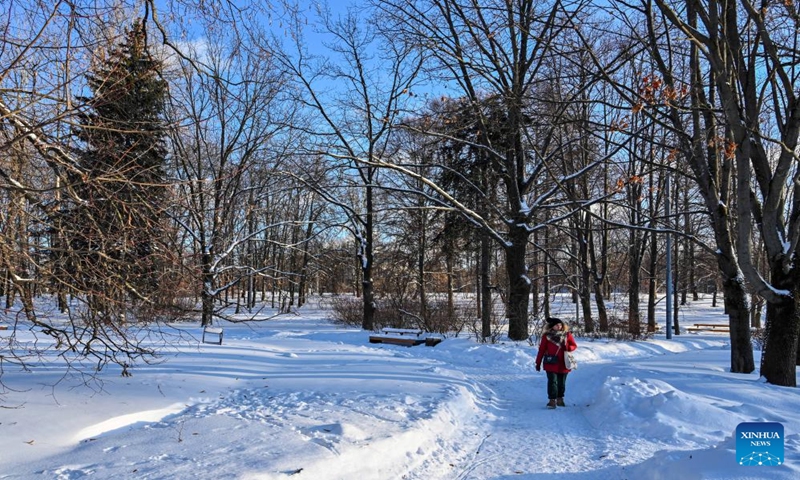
{"points": [[556, 384]]}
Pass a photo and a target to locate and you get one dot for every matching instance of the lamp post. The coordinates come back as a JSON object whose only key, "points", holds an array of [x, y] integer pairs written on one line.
{"points": [[668, 325]]}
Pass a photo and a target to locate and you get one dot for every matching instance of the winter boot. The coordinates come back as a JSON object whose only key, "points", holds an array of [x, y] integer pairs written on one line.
{"points": [[551, 403], [560, 402]]}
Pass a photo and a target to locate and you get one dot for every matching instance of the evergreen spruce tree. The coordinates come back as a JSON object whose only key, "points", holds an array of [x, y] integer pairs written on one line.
{"points": [[112, 232]]}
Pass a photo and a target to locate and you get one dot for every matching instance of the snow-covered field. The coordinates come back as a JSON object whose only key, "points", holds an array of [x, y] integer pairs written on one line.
{"points": [[298, 397]]}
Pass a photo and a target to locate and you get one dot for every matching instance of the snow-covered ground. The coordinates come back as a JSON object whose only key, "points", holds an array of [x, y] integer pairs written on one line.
{"points": [[298, 397]]}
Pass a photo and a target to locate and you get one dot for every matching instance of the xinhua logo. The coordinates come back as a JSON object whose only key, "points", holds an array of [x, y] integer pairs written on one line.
{"points": [[759, 444]]}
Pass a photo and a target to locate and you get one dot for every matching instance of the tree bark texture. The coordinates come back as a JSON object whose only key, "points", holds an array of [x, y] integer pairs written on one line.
{"points": [[518, 283], [782, 331]]}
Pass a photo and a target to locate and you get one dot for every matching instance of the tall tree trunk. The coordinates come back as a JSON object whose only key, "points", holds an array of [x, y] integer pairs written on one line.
{"points": [[599, 270], [366, 258], [692, 267], [734, 292], [736, 305], [278, 262], [421, 247], [368, 297], [518, 283], [449, 262], [675, 297], [62, 301], [676, 267], [27, 302], [652, 291], [10, 290], [207, 295], [303, 288], [782, 331], [486, 291], [602, 312], [251, 227], [582, 233], [756, 308], [711, 168], [546, 275], [478, 283], [634, 327], [293, 266], [714, 296], [357, 276], [536, 276], [634, 260]]}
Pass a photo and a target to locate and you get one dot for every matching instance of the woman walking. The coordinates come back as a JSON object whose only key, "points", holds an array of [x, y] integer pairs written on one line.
{"points": [[556, 341]]}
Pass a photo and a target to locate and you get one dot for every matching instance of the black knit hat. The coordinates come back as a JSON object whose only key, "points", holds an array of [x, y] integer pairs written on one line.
{"points": [[551, 321]]}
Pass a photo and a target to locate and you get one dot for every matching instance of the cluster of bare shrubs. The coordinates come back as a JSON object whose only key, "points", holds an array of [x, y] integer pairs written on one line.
{"points": [[349, 310], [618, 329]]}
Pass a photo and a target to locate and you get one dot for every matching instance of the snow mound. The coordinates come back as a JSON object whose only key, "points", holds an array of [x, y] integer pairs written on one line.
{"points": [[130, 419], [656, 410]]}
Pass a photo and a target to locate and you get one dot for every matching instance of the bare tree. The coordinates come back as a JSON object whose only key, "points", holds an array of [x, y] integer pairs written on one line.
{"points": [[501, 49], [750, 55], [353, 120], [46, 49], [670, 90], [225, 107]]}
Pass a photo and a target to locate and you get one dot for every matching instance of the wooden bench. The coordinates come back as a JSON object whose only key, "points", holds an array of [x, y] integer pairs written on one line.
{"points": [[402, 331], [709, 327], [403, 336], [214, 335], [3, 327]]}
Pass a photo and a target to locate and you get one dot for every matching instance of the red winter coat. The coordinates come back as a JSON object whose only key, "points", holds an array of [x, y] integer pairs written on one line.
{"points": [[549, 348]]}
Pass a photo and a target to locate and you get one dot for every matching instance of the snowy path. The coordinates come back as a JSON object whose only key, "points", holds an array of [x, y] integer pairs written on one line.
{"points": [[527, 438], [634, 418], [529, 441]]}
